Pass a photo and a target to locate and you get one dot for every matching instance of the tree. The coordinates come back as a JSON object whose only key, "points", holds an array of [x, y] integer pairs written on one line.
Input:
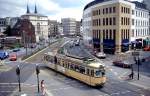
{"points": [[8, 31]]}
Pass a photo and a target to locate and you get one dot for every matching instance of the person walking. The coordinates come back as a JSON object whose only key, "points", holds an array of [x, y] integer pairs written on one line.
{"points": [[42, 88]]}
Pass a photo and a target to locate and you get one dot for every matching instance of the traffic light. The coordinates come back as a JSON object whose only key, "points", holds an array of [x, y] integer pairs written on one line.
{"points": [[18, 70], [37, 69]]}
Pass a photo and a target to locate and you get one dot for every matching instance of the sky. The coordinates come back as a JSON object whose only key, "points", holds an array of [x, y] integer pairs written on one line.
{"points": [[54, 9]]}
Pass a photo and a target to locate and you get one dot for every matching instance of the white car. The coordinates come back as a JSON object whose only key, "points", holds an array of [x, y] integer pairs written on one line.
{"points": [[101, 55]]}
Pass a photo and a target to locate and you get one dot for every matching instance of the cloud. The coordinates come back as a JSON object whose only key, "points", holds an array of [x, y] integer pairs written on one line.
{"points": [[55, 9]]}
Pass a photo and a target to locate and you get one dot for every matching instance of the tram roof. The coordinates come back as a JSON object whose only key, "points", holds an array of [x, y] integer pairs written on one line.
{"points": [[96, 65]]}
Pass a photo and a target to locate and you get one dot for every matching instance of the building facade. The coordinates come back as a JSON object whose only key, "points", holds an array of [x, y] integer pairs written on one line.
{"points": [[40, 22], [140, 25], [2, 25], [107, 25], [69, 26], [52, 28], [78, 28]]}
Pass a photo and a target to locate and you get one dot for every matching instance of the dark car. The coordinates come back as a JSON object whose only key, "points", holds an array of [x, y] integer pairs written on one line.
{"points": [[16, 50], [122, 64]]}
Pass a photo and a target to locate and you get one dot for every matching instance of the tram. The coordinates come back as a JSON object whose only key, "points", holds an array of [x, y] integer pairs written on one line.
{"points": [[85, 70]]}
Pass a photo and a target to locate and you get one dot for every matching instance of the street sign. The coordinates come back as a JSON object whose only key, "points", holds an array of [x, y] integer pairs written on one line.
{"points": [[135, 53]]}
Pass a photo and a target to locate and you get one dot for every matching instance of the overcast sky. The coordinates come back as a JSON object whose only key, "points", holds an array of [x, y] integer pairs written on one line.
{"points": [[54, 9]]}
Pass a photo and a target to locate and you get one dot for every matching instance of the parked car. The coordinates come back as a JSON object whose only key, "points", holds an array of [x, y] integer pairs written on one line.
{"points": [[147, 48], [16, 50], [100, 55], [13, 57], [3, 55], [122, 64]]}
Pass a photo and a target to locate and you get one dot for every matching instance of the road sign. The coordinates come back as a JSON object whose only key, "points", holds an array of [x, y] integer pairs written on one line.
{"points": [[135, 53]]}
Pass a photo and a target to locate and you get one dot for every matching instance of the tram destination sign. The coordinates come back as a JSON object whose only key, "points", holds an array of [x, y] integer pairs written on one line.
{"points": [[135, 53]]}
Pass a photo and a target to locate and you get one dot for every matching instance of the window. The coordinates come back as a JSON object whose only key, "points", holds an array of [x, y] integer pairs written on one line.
{"points": [[132, 21], [99, 22], [121, 9], [110, 10], [110, 21], [114, 9], [99, 11], [114, 33], [106, 21], [110, 34], [103, 21], [132, 12], [103, 34], [103, 11], [114, 21], [128, 21], [92, 73], [106, 34], [121, 20], [106, 10]]}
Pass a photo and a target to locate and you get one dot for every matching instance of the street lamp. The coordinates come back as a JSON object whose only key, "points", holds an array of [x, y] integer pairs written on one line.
{"points": [[37, 73], [18, 74]]}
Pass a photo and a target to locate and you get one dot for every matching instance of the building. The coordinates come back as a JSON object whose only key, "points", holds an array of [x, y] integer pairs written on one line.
{"points": [[107, 25], [140, 25], [60, 29], [24, 29], [13, 21], [40, 22], [78, 28], [2, 25], [52, 28], [69, 26]]}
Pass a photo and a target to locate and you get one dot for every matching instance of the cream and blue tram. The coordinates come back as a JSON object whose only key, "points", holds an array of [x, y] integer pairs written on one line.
{"points": [[88, 71]]}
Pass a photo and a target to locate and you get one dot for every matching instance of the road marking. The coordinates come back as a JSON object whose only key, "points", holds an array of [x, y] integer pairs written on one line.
{"points": [[122, 75]]}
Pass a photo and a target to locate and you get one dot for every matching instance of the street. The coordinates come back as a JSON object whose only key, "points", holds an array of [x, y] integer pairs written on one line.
{"points": [[57, 84]]}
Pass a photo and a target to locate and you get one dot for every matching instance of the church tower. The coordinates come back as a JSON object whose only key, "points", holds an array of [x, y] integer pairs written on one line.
{"points": [[35, 10], [28, 11]]}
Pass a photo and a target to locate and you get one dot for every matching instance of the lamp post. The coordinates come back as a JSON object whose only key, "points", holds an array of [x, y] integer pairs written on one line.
{"points": [[18, 74], [37, 73]]}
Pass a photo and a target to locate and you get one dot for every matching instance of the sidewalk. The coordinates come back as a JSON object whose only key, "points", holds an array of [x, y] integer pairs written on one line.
{"points": [[143, 82]]}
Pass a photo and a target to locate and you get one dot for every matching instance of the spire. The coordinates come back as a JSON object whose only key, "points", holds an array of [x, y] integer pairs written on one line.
{"points": [[28, 11], [35, 11]]}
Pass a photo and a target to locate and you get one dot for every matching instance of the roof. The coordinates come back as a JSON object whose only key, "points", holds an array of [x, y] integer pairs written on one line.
{"points": [[33, 14], [96, 65], [93, 3], [139, 4]]}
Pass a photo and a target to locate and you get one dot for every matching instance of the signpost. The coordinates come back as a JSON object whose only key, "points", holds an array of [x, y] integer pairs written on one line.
{"points": [[137, 61]]}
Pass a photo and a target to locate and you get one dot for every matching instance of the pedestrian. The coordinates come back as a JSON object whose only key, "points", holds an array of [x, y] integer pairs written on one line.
{"points": [[42, 88]]}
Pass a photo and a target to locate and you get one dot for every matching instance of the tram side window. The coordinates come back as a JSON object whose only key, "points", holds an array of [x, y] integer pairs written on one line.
{"points": [[97, 73], [76, 68], [82, 70], [92, 73], [71, 66], [58, 61], [88, 72]]}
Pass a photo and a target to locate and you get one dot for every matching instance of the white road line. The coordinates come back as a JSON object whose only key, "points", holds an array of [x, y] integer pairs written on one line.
{"points": [[6, 91], [115, 93]]}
